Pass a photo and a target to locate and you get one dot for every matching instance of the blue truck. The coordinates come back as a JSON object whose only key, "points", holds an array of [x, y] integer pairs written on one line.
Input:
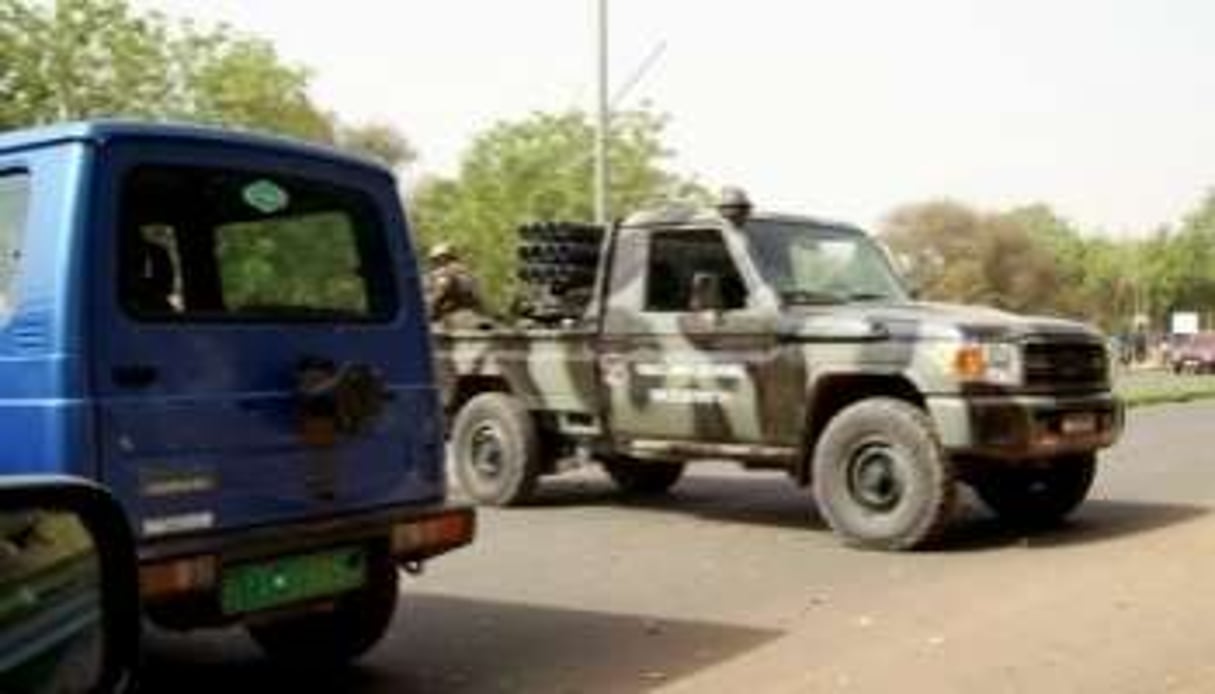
{"points": [[227, 331]]}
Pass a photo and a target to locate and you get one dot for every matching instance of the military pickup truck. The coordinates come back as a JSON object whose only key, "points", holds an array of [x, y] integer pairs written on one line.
{"points": [[788, 343]]}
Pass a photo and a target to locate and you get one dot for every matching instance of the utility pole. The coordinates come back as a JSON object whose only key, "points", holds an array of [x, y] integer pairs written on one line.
{"points": [[602, 132]]}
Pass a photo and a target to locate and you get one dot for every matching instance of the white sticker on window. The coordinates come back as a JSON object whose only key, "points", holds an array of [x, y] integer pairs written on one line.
{"points": [[266, 196]]}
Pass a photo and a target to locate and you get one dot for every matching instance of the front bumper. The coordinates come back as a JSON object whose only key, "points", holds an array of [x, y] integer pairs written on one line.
{"points": [[1014, 427], [183, 575]]}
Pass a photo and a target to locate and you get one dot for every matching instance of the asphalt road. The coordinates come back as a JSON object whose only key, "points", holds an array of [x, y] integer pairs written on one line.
{"points": [[733, 584]]}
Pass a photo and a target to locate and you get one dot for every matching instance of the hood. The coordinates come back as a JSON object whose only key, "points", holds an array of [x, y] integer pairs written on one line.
{"points": [[926, 320]]}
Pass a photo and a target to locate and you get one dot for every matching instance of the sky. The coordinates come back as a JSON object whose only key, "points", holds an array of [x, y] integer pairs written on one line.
{"points": [[1104, 109]]}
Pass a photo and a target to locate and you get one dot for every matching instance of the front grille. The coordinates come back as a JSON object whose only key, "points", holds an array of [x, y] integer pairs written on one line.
{"points": [[1066, 365]]}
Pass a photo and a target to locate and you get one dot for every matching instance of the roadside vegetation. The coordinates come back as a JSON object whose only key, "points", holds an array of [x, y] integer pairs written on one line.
{"points": [[1159, 387]]}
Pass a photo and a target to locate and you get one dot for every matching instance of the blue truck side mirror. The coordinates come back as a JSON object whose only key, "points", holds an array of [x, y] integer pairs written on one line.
{"points": [[69, 610]]}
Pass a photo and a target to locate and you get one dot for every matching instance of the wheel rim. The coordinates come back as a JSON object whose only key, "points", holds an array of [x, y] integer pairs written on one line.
{"points": [[487, 452], [874, 481]]}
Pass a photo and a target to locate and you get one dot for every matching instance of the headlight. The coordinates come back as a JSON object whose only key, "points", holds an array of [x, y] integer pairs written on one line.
{"points": [[997, 363]]}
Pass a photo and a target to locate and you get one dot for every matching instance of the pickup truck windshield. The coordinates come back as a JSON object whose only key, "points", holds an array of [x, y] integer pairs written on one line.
{"points": [[809, 263]]}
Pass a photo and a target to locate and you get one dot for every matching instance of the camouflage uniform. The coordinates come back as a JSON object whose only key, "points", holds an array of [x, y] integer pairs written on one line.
{"points": [[453, 296]]}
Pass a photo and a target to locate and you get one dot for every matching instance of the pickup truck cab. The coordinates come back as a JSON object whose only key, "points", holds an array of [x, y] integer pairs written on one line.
{"points": [[788, 343], [226, 331]]}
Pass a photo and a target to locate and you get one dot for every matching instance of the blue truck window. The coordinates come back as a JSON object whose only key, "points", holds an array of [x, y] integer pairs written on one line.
{"points": [[14, 210], [212, 244]]}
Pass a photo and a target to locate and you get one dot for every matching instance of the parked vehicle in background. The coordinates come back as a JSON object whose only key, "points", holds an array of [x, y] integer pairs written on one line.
{"points": [[784, 343], [227, 331], [1193, 354]]}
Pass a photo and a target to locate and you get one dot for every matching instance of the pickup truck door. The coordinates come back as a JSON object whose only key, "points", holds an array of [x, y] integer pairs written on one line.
{"points": [[674, 374]]}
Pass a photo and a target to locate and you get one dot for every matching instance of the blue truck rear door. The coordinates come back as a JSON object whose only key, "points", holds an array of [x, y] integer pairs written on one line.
{"points": [[233, 281]]}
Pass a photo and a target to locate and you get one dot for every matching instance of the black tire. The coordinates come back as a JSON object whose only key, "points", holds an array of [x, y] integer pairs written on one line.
{"points": [[881, 478], [333, 638], [635, 478], [495, 450], [1038, 496]]}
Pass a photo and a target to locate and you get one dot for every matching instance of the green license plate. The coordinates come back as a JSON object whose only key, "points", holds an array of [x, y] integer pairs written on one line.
{"points": [[287, 580]]}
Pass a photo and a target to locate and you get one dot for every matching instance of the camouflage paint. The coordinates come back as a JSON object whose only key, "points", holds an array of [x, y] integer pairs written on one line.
{"points": [[741, 383]]}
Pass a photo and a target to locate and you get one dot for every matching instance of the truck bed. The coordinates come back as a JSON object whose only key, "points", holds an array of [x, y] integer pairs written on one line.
{"points": [[551, 370]]}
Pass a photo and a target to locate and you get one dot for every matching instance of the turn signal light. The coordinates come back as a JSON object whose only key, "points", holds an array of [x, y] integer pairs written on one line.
{"points": [[969, 362], [428, 536], [177, 577]]}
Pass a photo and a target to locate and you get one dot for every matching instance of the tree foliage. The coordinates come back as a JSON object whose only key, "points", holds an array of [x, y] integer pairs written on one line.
{"points": [[1031, 259], [78, 59], [958, 254], [541, 168], [379, 141]]}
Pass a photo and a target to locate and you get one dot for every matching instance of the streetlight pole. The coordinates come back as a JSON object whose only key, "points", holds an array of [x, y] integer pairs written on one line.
{"points": [[602, 131]]}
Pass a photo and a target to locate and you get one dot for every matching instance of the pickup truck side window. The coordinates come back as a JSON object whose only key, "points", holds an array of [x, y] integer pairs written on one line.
{"points": [[14, 211], [213, 244], [676, 257]]}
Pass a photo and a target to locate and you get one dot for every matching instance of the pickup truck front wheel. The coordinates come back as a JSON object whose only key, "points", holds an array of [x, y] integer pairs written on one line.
{"points": [[1037, 496], [881, 479], [636, 478], [338, 634], [496, 450]]}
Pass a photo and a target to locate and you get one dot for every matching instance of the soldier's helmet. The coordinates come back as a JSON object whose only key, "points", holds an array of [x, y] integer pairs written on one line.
{"points": [[733, 200], [442, 251]]}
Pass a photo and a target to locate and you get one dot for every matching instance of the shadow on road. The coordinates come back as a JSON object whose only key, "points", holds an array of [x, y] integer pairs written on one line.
{"points": [[1097, 520], [442, 644], [769, 499], [773, 500]]}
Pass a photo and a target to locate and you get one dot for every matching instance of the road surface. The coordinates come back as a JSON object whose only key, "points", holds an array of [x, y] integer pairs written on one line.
{"points": [[734, 585]]}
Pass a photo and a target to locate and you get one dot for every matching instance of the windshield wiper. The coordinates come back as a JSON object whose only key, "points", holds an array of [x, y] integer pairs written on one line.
{"points": [[809, 297], [868, 296]]}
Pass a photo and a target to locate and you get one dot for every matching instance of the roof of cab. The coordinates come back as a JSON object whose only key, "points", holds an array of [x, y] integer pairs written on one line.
{"points": [[688, 214], [103, 130]]}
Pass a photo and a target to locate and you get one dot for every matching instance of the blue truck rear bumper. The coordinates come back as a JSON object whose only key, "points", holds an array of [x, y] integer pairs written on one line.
{"points": [[185, 573]]}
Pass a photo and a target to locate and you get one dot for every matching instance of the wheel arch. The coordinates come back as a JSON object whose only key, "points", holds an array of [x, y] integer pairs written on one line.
{"points": [[468, 387], [831, 393]]}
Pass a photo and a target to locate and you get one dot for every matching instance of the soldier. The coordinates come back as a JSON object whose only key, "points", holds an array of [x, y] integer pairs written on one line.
{"points": [[452, 294], [734, 205]]}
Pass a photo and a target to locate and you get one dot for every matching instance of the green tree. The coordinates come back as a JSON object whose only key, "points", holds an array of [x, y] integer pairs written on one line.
{"points": [[1179, 265], [238, 81], [541, 168], [379, 141], [75, 59], [959, 254]]}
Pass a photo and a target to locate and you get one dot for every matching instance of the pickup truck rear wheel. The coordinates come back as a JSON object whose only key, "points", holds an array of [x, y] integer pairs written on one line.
{"points": [[333, 637], [496, 450], [881, 479], [1037, 496], [636, 478]]}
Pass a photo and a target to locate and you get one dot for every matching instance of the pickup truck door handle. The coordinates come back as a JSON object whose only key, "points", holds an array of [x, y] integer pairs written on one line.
{"points": [[134, 375]]}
